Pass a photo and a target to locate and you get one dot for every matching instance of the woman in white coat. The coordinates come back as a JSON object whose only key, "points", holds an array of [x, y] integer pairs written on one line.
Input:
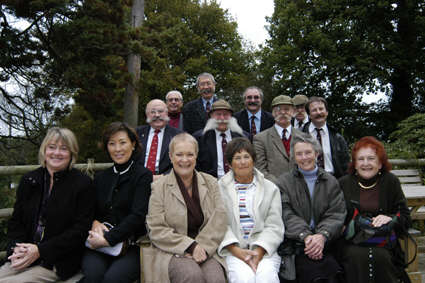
{"points": [[254, 211]]}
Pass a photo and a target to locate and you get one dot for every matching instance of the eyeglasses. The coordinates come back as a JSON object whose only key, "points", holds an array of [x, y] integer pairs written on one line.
{"points": [[174, 99], [155, 111], [253, 97]]}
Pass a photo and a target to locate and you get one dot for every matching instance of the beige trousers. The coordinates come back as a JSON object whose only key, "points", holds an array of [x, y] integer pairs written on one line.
{"points": [[35, 274]]}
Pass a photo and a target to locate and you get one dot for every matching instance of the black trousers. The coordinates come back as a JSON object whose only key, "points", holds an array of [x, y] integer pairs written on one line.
{"points": [[98, 267]]}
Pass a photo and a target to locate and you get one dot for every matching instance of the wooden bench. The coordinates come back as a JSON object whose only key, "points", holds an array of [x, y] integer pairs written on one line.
{"points": [[414, 191]]}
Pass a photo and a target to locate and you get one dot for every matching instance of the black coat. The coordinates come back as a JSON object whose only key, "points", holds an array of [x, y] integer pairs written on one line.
{"points": [[122, 200], [69, 216], [164, 161], [194, 116], [267, 120], [339, 151], [207, 156]]}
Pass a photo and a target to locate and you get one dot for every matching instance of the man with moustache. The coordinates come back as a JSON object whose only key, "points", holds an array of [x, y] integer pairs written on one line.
{"points": [[335, 155], [300, 116], [253, 119], [195, 113], [272, 146], [174, 100], [155, 138], [220, 129]]}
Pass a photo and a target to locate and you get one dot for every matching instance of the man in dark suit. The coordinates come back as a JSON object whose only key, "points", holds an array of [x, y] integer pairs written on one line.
{"points": [[195, 112], [221, 128], [253, 119], [156, 137], [335, 155]]}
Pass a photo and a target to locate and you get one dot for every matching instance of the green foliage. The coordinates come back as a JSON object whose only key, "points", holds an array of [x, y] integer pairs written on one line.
{"points": [[409, 138], [342, 50]]}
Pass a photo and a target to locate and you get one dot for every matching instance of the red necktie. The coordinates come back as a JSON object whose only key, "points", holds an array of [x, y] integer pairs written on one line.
{"points": [[286, 142], [223, 147], [320, 160], [253, 127], [152, 153]]}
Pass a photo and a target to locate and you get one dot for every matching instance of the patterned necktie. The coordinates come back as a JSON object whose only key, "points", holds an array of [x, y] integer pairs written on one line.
{"points": [[223, 147], [286, 142], [152, 153], [320, 160], [208, 108], [253, 127]]}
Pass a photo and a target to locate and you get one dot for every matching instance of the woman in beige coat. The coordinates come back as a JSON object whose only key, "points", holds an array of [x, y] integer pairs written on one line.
{"points": [[186, 221]]}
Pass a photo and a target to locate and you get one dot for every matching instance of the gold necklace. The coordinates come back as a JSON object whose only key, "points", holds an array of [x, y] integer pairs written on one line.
{"points": [[367, 187]]}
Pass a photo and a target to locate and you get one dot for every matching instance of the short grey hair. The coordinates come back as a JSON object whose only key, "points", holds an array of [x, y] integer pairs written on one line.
{"points": [[260, 91], [172, 92], [64, 135], [305, 138], [183, 137], [208, 75]]}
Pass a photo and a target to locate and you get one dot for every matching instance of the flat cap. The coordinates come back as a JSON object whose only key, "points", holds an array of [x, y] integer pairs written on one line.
{"points": [[299, 99], [221, 104], [282, 99]]}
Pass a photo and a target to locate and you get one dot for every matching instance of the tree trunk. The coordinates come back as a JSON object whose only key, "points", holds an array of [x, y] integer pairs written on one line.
{"points": [[131, 98]]}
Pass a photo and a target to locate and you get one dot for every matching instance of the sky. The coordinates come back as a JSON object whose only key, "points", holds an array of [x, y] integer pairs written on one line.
{"points": [[250, 16]]}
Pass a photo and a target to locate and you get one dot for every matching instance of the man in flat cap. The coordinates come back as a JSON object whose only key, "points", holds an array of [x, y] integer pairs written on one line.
{"points": [[272, 146], [300, 115], [253, 119], [219, 130]]}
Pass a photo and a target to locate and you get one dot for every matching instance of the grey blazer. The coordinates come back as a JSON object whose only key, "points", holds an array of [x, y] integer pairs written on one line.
{"points": [[272, 159]]}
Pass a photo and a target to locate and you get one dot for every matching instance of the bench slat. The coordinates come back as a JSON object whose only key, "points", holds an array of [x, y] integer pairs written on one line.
{"points": [[405, 172], [415, 179]]}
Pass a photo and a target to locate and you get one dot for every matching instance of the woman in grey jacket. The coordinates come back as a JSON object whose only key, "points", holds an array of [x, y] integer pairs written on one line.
{"points": [[313, 211], [254, 211]]}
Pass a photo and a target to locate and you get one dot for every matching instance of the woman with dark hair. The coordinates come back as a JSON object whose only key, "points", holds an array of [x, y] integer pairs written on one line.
{"points": [[122, 196], [53, 211], [377, 215], [254, 212], [313, 211]]}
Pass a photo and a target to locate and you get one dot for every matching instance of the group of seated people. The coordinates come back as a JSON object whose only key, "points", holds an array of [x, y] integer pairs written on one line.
{"points": [[303, 226], [241, 228]]}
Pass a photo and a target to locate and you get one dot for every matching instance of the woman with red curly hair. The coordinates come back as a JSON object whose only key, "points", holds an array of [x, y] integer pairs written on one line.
{"points": [[377, 215]]}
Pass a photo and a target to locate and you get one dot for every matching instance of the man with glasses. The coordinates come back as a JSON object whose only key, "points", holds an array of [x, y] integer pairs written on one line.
{"points": [[195, 112], [156, 137], [272, 146], [253, 119], [174, 101]]}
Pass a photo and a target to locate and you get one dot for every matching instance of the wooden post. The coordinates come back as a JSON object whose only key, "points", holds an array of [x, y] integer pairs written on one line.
{"points": [[131, 97]]}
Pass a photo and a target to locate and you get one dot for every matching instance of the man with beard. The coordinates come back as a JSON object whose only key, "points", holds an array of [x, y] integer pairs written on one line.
{"points": [[174, 100], [195, 113], [272, 146], [300, 116], [221, 128], [253, 119], [155, 138], [335, 156]]}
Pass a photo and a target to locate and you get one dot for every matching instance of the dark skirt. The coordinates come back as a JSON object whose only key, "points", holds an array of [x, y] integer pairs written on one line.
{"points": [[368, 265]]}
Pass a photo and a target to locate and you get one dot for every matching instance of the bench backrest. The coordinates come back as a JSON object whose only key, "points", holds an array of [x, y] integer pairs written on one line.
{"points": [[408, 177]]}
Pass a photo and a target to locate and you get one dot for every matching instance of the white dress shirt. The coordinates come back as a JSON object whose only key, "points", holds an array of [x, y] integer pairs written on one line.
{"points": [[218, 140], [326, 145], [148, 146], [279, 130]]}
